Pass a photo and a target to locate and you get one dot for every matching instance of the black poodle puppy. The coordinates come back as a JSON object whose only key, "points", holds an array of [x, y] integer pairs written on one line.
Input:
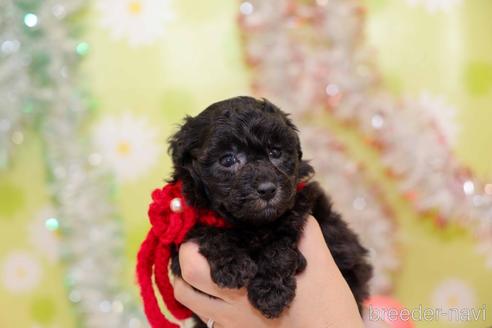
{"points": [[241, 157]]}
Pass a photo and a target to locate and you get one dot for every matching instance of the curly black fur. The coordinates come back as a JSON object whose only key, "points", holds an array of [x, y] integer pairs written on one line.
{"points": [[260, 251]]}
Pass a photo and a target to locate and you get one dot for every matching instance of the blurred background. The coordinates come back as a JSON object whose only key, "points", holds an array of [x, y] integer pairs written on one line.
{"points": [[393, 99]]}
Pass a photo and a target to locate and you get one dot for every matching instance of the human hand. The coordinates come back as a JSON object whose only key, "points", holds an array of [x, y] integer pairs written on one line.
{"points": [[323, 298]]}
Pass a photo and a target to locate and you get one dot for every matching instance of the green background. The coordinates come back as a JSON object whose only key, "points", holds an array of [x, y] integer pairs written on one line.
{"points": [[198, 61]]}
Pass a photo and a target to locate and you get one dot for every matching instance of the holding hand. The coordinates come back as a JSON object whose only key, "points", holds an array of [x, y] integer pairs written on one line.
{"points": [[323, 298]]}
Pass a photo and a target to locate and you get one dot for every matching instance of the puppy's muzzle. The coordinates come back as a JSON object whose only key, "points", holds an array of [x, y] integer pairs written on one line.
{"points": [[266, 190]]}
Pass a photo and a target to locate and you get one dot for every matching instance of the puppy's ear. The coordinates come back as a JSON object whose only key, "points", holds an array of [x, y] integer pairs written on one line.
{"points": [[271, 108], [183, 147], [305, 170], [182, 143]]}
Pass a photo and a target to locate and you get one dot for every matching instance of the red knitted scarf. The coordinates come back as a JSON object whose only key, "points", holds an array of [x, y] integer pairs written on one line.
{"points": [[171, 218]]}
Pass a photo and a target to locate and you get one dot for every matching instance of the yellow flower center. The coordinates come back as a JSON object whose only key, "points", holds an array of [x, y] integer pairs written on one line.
{"points": [[453, 301], [123, 148], [135, 7], [20, 272]]}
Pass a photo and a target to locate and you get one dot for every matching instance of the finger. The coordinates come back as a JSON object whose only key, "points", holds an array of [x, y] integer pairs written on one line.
{"points": [[196, 272], [313, 246], [321, 268], [312, 243], [215, 325], [204, 306]]}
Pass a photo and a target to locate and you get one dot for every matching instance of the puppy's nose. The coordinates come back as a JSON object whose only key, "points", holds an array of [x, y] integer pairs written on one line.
{"points": [[267, 190]]}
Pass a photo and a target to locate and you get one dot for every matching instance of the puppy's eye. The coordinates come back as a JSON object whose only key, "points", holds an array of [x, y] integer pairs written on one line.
{"points": [[275, 153], [228, 160]]}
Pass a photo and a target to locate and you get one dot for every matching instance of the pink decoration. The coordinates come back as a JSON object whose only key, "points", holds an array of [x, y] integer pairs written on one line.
{"points": [[388, 310]]}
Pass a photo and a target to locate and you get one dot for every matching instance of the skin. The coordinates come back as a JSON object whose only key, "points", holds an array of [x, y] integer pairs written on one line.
{"points": [[323, 298]]}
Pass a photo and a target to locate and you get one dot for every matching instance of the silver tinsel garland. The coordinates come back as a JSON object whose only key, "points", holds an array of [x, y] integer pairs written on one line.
{"points": [[359, 201], [40, 53], [14, 81], [309, 56]]}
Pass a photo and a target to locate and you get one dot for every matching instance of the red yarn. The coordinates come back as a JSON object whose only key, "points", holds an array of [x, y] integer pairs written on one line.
{"points": [[168, 228], [300, 186]]}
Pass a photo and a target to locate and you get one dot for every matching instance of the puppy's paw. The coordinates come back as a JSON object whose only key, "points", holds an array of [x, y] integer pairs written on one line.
{"points": [[271, 296], [234, 271]]}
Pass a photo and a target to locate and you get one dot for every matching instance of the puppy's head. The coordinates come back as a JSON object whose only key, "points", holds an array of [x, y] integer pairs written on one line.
{"points": [[240, 157]]}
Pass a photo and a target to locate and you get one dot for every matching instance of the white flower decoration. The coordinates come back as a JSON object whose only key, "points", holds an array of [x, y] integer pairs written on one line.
{"points": [[21, 272], [454, 294], [127, 145], [139, 22], [41, 238], [484, 248], [441, 114], [434, 6]]}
